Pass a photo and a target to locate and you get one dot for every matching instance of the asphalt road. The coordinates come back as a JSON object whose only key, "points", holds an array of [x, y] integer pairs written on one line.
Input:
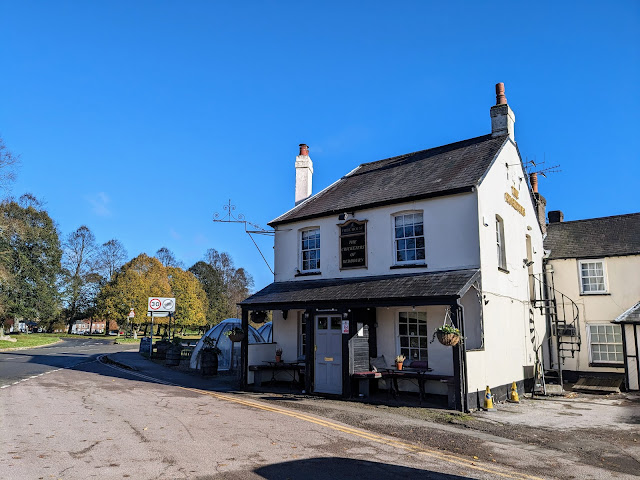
{"points": [[74, 417], [21, 365]]}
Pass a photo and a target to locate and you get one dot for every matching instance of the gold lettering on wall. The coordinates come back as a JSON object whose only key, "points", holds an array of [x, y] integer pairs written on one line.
{"points": [[513, 202], [515, 192]]}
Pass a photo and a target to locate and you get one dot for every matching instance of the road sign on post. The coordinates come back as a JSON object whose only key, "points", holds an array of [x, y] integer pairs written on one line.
{"points": [[161, 304]]}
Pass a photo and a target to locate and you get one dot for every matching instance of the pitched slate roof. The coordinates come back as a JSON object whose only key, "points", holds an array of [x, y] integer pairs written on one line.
{"points": [[630, 316], [409, 289], [594, 237], [449, 169]]}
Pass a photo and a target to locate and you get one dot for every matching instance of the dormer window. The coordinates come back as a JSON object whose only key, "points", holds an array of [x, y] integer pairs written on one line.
{"points": [[310, 249], [409, 238]]}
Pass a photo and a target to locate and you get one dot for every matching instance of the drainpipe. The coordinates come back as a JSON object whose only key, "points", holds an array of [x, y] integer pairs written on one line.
{"points": [[465, 385]]}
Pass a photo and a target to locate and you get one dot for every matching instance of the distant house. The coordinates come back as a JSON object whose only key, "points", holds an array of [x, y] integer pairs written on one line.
{"points": [[370, 266], [596, 262]]}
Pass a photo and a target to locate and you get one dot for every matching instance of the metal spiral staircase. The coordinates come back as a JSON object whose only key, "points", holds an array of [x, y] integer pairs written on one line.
{"points": [[562, 317]]}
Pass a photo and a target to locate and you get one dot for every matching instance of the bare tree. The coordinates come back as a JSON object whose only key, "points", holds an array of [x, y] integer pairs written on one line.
{"points": [[80, 277], [111, 256], [167, 258], [8, 162]]}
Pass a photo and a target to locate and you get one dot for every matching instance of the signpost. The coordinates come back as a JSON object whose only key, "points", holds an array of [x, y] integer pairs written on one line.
{"points": [[160, 307], [132, 314]]}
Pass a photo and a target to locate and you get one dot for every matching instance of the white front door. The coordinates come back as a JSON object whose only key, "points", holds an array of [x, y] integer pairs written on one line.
{"points": [[328, 361]]}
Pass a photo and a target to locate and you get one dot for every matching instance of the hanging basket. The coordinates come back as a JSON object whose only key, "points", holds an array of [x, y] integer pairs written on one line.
{"points": [[448, 339], [236, 337]]}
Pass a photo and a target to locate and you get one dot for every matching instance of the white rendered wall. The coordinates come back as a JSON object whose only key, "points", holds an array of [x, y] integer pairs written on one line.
{"points": [[623, 291], [508, 346], [451, 234]]}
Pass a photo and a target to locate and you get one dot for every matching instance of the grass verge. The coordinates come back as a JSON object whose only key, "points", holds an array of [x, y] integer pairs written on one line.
{"points": [[29, 341]]}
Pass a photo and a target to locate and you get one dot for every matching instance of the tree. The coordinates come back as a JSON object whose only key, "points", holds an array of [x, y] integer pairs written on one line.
{"points": [[191, 299], [8, 162], [80, 278], [167, 258], [235, 284], [131, 286], [111, 256], [213, 286], [31, 255]]}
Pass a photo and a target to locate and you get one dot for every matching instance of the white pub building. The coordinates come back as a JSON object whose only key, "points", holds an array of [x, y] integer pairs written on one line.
{"points": [[369, 267]]}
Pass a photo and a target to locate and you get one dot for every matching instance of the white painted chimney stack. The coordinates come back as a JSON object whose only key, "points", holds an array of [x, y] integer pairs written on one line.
{"points": [[502, 117], [304, 172]]}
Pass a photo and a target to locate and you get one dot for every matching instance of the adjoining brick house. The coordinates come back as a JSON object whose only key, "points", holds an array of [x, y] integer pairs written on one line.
{"points": [[596, 262], [87, 326], [374, 263]]}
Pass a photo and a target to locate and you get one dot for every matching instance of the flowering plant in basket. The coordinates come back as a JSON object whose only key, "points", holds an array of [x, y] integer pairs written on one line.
{"points": [[447, 335]]}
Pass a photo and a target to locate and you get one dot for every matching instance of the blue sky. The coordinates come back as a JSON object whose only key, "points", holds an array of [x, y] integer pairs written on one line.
{"points": [[142, 119]]}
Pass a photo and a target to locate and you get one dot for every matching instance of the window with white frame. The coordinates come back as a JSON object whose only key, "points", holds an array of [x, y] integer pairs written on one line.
{"points": [[310, 249], [412, 331], [605, 343], [592, 279], [502, 255], [409, 238]]}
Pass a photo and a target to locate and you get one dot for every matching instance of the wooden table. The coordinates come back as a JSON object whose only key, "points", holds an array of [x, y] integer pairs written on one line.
{"points": [[420, 374]]}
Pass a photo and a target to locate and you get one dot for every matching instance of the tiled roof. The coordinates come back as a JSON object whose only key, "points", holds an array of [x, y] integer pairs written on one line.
{"points": [[630, 316], [438, 171], [595, 237], [402, 289]]}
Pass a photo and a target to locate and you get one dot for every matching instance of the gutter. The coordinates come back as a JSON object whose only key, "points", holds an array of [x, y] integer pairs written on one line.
{"points": [[464, 387]]}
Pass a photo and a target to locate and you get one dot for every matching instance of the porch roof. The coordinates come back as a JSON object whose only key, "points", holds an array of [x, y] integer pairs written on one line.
{"points": [[432, 288], [630, 316]]}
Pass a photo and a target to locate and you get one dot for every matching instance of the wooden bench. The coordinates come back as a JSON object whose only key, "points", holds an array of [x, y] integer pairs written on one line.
{"points": [[364, 381]]}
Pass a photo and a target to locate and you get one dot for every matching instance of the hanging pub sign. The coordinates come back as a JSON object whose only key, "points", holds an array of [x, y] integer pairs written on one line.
{"points": [[353, 244]]}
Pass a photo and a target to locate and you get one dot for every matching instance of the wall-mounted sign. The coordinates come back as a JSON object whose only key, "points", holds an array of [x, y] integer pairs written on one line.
{"points": [[353, 244], [345, 326], [513, 202]]}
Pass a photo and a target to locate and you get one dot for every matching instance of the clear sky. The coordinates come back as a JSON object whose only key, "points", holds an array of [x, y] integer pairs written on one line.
{"points": [[142, 119]]}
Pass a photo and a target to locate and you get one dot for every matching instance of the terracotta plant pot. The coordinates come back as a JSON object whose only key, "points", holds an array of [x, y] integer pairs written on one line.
{"points": [[278, 358], [399, 365], [448, 339]]}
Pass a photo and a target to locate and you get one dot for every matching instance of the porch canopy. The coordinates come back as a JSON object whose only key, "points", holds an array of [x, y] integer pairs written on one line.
{"points": [[432, 288]]}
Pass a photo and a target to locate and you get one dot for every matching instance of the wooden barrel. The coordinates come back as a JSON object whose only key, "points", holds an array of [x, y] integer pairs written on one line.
{"points": [[161, 349], [172, 359], [208, 362]]}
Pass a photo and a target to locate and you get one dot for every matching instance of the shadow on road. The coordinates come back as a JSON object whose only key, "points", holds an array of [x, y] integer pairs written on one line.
{"points": [[334, 468]]}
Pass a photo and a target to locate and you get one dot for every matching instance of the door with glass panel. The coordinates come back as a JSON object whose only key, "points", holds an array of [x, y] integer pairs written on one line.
{"points": [[328, 361]]}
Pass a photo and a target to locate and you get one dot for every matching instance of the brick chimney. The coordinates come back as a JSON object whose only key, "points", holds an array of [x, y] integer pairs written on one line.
{"points": [[502, 117], [556, 216], [304, 173], [540, 203]]}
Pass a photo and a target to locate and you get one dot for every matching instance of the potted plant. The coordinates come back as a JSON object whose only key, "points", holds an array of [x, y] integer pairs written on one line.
{"points": [[447, 335], [278, 354], [399, 361], [236, 334], [209, 356]]}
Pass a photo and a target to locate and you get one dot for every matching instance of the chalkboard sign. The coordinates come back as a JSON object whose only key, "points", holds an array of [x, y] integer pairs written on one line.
{"points": [[353, 244]]}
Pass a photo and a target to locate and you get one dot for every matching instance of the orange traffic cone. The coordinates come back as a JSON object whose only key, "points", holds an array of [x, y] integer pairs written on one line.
{"points": [[514, 393]]}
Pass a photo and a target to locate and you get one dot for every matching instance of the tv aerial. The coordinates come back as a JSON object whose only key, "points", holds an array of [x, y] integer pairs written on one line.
{"points": [[249, 227]]}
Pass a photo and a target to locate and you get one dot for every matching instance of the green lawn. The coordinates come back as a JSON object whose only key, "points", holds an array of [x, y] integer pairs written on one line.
{"points": [[31, 340]]}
